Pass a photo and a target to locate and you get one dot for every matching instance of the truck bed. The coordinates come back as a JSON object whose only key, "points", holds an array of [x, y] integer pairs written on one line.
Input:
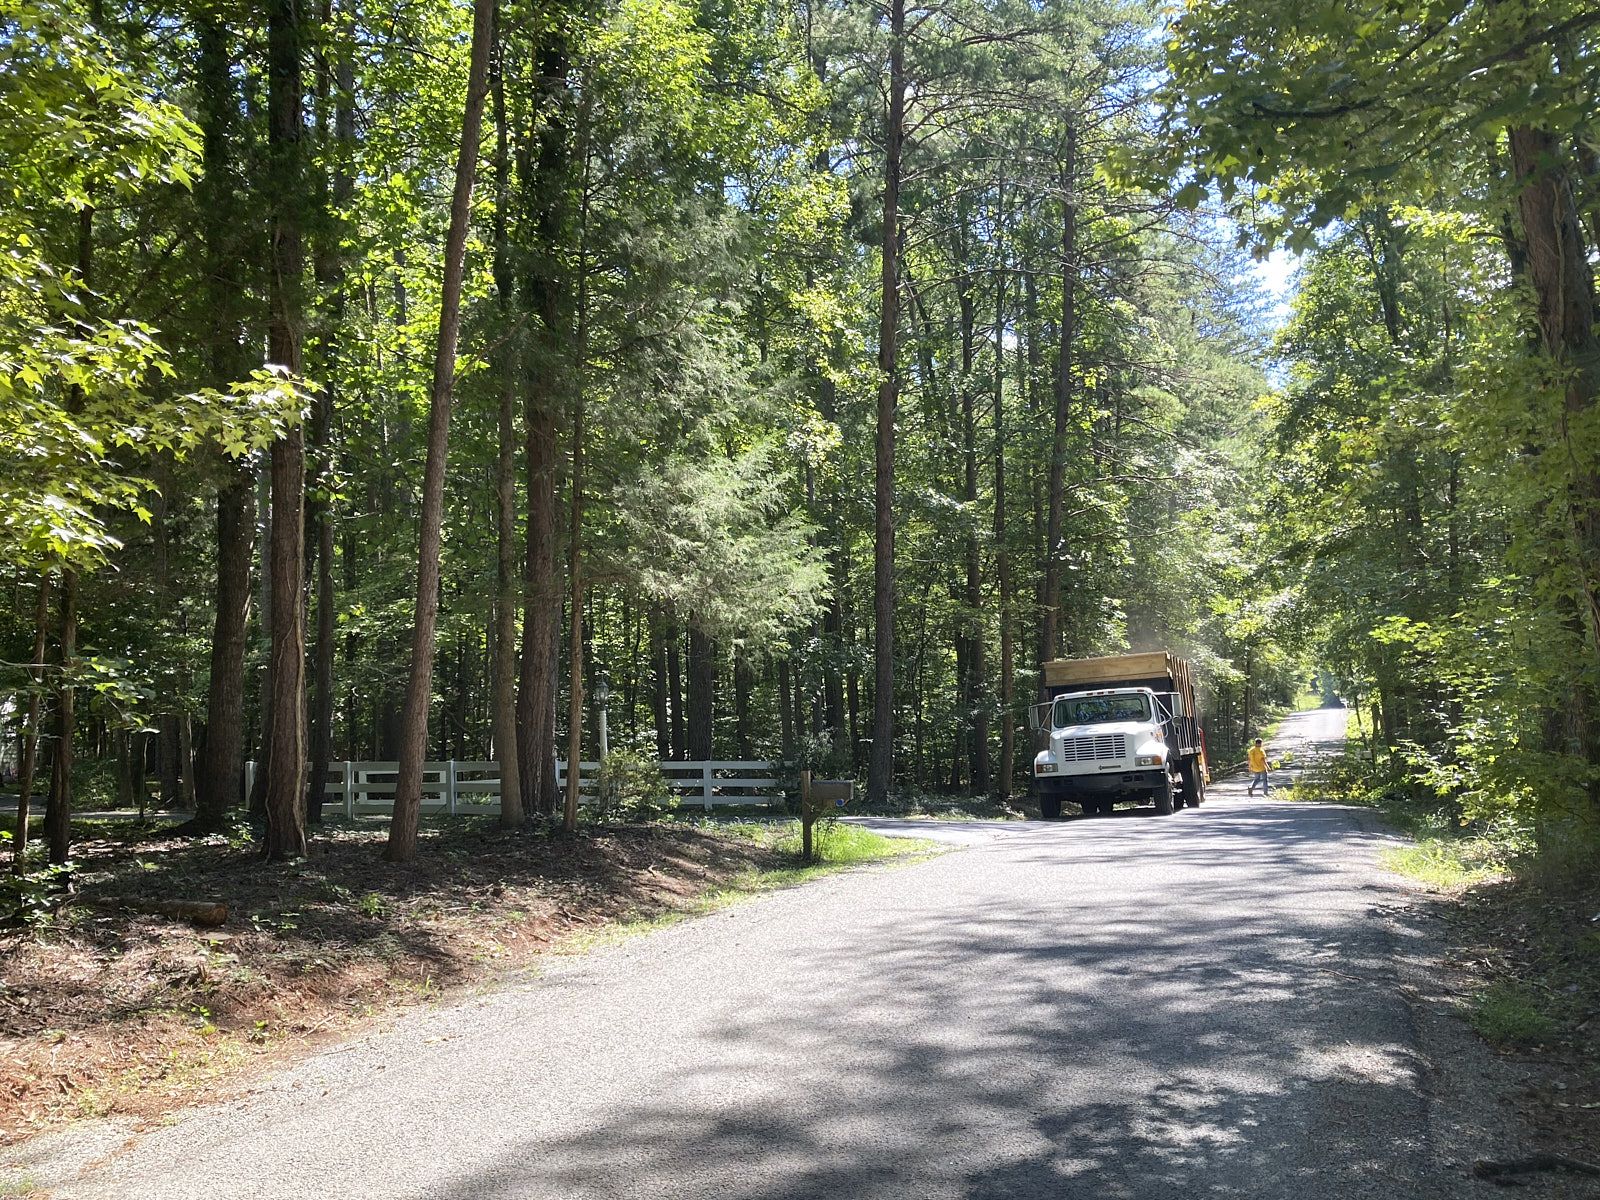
{"points": [[1119, 669]]}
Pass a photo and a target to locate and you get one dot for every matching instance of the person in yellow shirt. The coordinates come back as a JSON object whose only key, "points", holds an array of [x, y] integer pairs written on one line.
{"points": [[1258, 769]]}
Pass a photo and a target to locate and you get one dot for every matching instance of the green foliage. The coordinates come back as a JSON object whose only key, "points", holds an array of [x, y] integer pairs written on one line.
{"points": [[1435, 440], [819, 754], [688, 203], [31, 898], [82, 391], [711, 538], [632, 787], [1327, 110]]}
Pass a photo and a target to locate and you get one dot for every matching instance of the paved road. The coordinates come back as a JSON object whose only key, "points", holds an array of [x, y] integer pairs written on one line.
{"points": [[1144, 1007]]}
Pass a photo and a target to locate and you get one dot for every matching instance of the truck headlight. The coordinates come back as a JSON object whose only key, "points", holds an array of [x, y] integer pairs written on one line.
{"points": [[1148, 760], [1044, 768]]}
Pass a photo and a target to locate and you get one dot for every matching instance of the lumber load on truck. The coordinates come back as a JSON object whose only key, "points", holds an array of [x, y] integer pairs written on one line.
{"points": [[1121, 727]]}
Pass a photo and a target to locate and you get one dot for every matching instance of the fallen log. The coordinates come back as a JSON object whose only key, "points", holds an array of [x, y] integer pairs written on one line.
{"points": [[1511, 1172], [205, 913]]}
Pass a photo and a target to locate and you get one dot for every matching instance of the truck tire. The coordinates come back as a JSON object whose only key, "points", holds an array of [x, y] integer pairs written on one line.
{"points": [[1194, 788], [1164, 798], [1050, 807]]}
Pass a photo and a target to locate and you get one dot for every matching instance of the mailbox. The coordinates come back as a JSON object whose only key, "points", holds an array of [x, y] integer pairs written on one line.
{"points": [[834, 793], [817, 795]]}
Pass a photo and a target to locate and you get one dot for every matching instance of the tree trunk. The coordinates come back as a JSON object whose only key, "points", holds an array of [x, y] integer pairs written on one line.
{"points": [[186, 784], [702, 694], [257, 799], [1050, 637], [402, 845], [680, 736], [120, 741], [322, 663], [161, 577], [834, 625], [660, 685], [286, 740], [1002, 552], [569, 812], [880, 769], [505, 628], [30, 728], [58, 808], [544, 294], [1563, 283], [221, 781], [541, 620], [330, 271], [977, 699], [785, 713], [743, 682]]}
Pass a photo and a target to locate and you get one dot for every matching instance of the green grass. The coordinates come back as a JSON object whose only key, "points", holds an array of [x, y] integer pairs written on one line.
{"points": [[838, 846], [1510, 1014], [1448, 863]]}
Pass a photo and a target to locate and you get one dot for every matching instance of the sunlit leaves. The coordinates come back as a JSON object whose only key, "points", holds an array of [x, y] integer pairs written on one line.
{"points": [[86, 399]]}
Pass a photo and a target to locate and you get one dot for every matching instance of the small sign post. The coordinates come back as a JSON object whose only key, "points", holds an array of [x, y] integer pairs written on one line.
{"points": [[816, 797]]}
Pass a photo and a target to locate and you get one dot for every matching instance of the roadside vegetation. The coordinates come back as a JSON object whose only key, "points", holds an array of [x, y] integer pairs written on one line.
{"points": [[1520, 899]]}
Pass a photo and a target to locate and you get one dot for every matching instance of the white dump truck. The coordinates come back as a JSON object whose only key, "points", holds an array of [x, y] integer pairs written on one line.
{"points": [[1119, 728]]}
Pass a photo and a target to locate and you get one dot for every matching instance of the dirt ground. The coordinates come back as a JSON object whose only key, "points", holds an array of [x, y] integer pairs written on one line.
{"points": [[105, 1011]]}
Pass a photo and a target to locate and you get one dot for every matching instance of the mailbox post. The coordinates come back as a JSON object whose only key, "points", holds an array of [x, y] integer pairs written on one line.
{"points": [[816, 797]]}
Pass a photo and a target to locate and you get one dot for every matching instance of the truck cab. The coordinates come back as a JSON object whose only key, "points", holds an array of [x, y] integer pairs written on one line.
{"points": [[1120, 740]]}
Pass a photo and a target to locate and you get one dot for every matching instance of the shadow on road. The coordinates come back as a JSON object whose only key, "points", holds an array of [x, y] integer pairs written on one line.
{"points": [[1243, 1038]]}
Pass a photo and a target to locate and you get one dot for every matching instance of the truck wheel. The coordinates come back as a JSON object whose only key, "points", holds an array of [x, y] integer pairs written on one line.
{"points": [[1050, 807], [1194, 788], [1164, 798]]}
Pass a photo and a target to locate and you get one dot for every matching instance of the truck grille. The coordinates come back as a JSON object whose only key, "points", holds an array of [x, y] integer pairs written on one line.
{"points": [[1090, 749]]}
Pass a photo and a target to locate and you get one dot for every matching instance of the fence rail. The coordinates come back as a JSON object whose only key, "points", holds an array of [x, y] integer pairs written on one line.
{"points": [[456, 787]]}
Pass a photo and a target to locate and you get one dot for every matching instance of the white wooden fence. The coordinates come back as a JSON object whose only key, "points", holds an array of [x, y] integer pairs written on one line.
{"points": [[364, 788]]}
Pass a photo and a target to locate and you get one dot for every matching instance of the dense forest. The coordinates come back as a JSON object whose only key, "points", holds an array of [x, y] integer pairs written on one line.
{"points": [[407, 381]]}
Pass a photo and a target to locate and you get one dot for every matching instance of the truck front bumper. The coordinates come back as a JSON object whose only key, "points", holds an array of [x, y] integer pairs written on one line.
{"points": [[1110, 783]]}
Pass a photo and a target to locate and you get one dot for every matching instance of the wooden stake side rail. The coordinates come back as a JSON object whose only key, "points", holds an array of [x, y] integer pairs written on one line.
{"points": [[455, 787]]}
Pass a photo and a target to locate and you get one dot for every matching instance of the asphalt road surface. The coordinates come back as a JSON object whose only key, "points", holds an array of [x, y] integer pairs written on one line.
{"points": [[1205, 1004]]}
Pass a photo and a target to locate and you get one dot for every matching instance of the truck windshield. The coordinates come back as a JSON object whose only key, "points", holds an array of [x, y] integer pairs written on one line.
{"points": [[1100, 710]]}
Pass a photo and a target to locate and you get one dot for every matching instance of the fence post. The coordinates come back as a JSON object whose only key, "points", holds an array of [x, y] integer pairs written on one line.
{"points": [[349, 793], [705, 784], [450, 786]]}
